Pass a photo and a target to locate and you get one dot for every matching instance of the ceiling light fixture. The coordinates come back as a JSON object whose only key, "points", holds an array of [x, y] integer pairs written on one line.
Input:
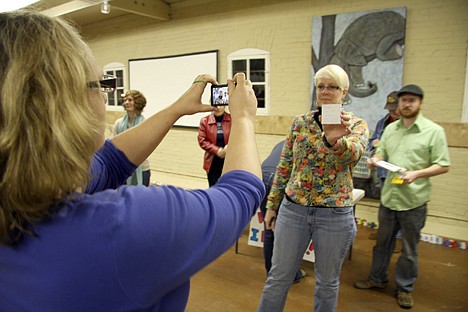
{"points": [[105, 7]]}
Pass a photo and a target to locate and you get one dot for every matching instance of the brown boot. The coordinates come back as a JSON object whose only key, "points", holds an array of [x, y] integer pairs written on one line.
{"points": [[405, 300], [368, 284]]}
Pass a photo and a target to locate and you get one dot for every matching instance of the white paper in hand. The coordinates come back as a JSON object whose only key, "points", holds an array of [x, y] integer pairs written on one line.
{"points": [[331, 114], [389, 166]]}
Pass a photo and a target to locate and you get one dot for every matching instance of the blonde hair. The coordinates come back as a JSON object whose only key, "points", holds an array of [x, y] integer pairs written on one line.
{"points": [[334, 72], [48, 126]]}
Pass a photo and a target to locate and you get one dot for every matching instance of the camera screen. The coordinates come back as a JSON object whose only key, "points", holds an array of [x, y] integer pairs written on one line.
{"points": [[219, 95]]}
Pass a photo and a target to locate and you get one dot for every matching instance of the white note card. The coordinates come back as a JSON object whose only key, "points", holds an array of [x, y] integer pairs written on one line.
{"points": [[389, 166], [331, 114]]}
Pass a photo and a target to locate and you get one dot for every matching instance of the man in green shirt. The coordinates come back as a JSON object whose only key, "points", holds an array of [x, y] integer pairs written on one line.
{"points": [[420, 147]]}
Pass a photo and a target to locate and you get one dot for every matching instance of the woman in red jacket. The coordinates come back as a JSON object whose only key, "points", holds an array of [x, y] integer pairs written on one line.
{"points": [[213, 137]]}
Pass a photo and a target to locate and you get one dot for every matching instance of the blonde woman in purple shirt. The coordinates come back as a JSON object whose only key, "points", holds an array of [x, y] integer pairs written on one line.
{"points": [[69, 241]]}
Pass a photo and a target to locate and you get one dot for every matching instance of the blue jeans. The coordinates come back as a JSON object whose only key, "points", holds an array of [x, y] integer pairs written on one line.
{"points": [[268, 241], [269, 235], [410, 223], [332, 231], [383, 176]]}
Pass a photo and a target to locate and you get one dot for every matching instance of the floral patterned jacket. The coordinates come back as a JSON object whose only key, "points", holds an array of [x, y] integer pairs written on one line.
{"points": [[313, 173]]}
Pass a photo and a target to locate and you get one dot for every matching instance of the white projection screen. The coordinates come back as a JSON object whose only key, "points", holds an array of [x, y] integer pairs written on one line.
{"points": [[164, 79]]}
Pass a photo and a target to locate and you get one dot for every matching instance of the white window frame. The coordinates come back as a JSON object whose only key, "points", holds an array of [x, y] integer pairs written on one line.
{"points": [[247, 55], [115, 66]]}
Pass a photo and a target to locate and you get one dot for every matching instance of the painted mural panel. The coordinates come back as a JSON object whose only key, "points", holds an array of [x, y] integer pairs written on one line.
{"points": [[369, 46]]}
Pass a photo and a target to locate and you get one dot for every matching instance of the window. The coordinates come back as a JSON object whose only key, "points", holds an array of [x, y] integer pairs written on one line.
{"points": [[116, 69], [255, 64]]}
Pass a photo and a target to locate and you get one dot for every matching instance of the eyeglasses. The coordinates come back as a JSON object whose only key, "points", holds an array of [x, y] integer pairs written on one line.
{"points": [[328, 88], [107, 84]]}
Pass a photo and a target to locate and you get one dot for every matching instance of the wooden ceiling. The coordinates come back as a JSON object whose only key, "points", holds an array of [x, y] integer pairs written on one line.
{"points": [[85, 12]]}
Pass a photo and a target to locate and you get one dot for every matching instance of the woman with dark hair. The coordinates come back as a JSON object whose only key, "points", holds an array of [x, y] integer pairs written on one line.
{"points": [[213, 138]]}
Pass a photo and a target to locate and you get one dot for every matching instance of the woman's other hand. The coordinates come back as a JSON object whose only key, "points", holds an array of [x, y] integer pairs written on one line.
{"points": [[242, 100], [335, 132], [190, 102], [270, 219]]}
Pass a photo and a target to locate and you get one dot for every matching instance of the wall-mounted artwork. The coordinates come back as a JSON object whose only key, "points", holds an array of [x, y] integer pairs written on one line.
{"points": [[369, 46]]}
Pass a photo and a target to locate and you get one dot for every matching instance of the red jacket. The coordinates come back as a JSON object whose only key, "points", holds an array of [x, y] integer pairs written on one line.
{"points": [[207, 134]]}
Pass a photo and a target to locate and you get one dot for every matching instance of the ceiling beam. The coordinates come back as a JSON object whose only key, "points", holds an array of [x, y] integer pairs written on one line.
{"points": [[156, 9], [68, 7]]}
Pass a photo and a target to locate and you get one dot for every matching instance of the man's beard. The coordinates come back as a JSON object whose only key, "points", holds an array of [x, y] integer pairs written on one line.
{"points": [[408, 114]]}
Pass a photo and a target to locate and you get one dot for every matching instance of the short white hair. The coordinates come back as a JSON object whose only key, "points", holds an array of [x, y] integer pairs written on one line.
{"points": [[334, 72]]}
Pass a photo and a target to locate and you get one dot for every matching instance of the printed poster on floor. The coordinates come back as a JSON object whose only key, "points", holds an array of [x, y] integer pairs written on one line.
{"points": [[256, 235]]}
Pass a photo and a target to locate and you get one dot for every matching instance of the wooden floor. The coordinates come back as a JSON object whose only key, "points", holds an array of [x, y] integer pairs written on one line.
{"points": [[234, 282]]}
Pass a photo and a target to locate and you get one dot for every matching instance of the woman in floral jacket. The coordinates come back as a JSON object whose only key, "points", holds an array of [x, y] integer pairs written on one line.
{"points": [[313, 190]]}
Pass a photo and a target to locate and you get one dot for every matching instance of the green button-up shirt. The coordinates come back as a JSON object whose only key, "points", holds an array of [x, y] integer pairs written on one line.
{"points": [[420, 146]]}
